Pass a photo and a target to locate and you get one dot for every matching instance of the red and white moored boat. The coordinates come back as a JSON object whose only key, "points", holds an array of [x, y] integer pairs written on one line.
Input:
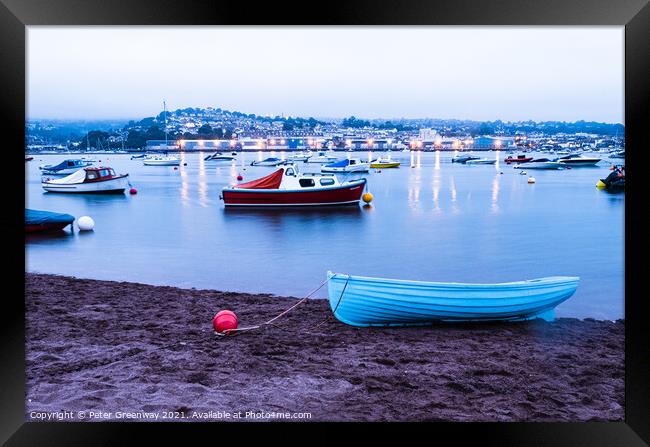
{"points": [[519, 159], [89, 180], [287, 187]]}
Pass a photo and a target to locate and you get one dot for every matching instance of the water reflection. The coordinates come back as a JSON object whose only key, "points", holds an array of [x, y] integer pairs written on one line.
{"points": [[454, 194], [184, 191], [414, 188], [65, 235], [293, 218], [436, 188], [495, 193]]}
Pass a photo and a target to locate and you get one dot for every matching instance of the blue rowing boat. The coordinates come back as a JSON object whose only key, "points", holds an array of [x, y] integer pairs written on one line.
{"points": [[364, 301]]}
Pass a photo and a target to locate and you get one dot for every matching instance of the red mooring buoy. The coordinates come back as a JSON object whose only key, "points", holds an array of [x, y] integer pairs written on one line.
{"points": [[133, 191], [224, 320], [240, 178]]}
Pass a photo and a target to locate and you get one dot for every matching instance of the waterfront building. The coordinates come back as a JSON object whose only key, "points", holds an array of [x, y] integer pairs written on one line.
{"points": [[491, 142], [162, 145], [370, 143]]}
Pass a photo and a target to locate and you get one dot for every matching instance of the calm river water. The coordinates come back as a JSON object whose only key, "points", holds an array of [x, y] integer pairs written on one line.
{"points": [[436, 221]]}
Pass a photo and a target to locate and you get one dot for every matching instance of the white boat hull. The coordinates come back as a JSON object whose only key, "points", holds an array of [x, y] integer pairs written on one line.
{"points": [[219, 159], [116, 185], [61, 171], [544, 165], [365, 167], [480, 162], [268, 163], [585, 162], [321, 159], [171, 161]]}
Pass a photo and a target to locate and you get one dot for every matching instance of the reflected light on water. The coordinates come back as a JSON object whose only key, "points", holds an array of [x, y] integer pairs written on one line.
{"points": [[495, 193], [184, 188], [203, 185], [436, 189], [436, 163], [201, 166], [454, 194], [414, 189]]}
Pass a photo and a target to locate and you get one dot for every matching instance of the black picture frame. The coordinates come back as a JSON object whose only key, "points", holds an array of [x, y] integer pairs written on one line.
{"points": [[15, 15]]}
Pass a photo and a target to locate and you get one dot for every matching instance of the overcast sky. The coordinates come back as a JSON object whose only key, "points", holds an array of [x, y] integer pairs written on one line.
{"points": [[480, 73]]}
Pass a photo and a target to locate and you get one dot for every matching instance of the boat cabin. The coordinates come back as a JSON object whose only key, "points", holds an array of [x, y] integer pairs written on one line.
{"points": [[291, 178], [99, 174]]}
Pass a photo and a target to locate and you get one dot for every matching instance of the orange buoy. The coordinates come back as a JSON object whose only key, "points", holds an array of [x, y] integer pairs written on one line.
{"points": [[133, 191], [224, 320]]}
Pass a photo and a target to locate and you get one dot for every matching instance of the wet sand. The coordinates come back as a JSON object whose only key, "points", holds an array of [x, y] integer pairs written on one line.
{"points": [[103, 346]]}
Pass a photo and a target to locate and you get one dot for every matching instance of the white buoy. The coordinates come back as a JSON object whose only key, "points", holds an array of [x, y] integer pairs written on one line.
{"points": [[85, 223], [531, 179]]}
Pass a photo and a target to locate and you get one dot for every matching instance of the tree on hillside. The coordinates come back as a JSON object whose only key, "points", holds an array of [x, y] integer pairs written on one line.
{"points": [[205, 130]]}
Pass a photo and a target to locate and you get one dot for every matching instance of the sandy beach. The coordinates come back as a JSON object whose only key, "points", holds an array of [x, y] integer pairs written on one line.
{"points": [[114, 348]]}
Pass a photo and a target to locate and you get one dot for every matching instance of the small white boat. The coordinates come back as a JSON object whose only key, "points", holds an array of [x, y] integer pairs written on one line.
{"points": [[541, 163], [161, 160], [271, 161], [578, 160], [321, 157], [346, 165], [298, 156], [218, 156], [481, 161], [95, 180], [464, 158]]}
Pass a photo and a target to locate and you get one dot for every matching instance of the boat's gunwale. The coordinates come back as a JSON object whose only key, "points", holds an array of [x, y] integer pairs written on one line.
{"points": [[548, 280], [350, 184]]}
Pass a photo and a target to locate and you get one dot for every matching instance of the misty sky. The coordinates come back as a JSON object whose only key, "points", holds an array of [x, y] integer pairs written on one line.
{"points": [[479, 73]]}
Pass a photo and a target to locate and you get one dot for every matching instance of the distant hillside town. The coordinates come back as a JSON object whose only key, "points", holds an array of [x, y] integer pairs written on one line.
{"points": [[196, 129]]}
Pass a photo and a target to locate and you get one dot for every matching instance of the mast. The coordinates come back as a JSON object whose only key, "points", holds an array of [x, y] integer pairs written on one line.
{"points": [[165, 112]]}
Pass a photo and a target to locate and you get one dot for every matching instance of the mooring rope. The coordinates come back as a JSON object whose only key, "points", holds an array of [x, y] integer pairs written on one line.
{"points": [[238, 330], [335, 307]]}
